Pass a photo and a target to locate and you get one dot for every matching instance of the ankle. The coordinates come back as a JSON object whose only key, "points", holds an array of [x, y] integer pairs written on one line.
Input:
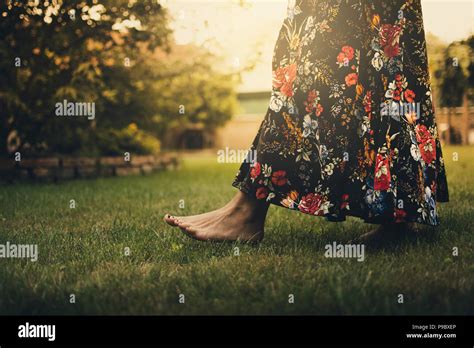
{"points": [[249, 208]]}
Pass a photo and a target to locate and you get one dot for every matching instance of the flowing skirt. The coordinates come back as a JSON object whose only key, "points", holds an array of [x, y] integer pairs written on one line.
{"points": [[350, 128]]}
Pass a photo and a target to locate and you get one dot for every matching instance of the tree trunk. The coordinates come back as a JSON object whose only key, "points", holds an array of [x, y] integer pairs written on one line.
{"points": [[4, 131], [449, 132], [465, 121]]}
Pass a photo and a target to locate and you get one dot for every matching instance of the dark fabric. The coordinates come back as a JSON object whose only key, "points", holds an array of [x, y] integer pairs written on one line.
{"points": [[332, 142]]}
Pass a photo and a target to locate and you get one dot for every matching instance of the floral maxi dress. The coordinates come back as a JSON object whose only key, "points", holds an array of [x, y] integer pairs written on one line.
{"points": [[350, 129]]}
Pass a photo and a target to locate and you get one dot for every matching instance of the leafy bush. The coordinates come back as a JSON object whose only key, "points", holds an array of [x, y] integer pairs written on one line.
{"points": [[114, 142]]}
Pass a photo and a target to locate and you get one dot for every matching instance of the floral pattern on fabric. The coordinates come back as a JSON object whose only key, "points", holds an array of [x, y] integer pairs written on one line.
{"points": [[350, 129]]}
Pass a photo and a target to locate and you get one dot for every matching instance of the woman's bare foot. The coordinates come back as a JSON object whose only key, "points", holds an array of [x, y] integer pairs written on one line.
{"points": [[242, 219], [386, 234]]}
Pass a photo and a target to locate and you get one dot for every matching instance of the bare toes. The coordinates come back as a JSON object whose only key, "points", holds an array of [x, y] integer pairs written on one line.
{"points": [[171, 220]]}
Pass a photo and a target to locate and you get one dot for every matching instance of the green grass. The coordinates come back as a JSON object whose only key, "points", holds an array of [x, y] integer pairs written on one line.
{"points": [[81, 252]]}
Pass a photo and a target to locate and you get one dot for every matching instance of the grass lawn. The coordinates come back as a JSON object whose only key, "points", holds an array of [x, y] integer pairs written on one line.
{"points": [[81, 252]]}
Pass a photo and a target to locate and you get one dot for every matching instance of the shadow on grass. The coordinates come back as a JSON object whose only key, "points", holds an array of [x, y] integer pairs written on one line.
{"points": [[296, 239]]}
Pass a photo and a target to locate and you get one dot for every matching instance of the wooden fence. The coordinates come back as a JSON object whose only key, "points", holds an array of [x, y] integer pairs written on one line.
{"points": [[55, 169]]}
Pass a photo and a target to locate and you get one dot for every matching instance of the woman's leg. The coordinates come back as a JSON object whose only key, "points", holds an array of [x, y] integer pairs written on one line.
{"points": [[242, 219]]}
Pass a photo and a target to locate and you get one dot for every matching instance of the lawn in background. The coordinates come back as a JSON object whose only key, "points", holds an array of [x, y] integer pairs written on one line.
{"points": [[82, 251]]}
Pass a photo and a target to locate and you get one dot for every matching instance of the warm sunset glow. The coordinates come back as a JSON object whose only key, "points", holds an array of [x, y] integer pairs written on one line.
{"points": [[236, 32]]}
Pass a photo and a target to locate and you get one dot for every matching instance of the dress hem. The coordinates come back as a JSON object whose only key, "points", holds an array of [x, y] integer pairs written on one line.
{"points": [[342, 217]]}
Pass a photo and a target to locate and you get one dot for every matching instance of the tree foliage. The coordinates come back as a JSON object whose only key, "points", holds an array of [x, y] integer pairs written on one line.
{"points": [[452, 70], [113, 53]]}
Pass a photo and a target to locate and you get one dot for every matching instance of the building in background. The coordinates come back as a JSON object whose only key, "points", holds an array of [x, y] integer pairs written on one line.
{"points": [[240, 132]]}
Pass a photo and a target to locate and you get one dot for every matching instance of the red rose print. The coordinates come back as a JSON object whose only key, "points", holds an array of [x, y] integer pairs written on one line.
{"points": [[426, 143], [345, 201], [278, 178], [279, 77], [283, 79], [262, 193], [348, 51], [287, 90], [400, 215], [346, 55], [351, 79], [391, 51], [256, 170], [428, 151], [382, 173], [422, 133], [397, 95], [341, 58], [409, 96], [389, 39], [310, 203]]}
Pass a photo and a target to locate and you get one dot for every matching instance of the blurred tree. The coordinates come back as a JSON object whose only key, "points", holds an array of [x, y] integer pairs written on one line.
{"points": [[470, 43], [192, 90], [436, 54], [102, 51], [455, 80], [56, 50], [469, 92]]}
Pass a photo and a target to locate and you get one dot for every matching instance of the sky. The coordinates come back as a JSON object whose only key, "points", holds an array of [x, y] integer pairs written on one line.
{"points": [[237, 33]]}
